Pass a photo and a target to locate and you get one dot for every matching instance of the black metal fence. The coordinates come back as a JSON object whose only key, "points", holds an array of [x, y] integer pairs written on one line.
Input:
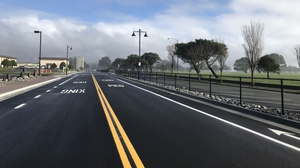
{"points": [[281, 94]]}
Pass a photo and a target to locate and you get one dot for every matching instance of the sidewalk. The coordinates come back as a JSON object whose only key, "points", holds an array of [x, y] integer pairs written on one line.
{"points": [[13, 88]]}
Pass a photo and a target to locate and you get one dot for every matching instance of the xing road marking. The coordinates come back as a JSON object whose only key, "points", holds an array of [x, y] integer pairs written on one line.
{"points": [[19, 106], [107, 80], [118, 132], [73, 91], [115, 85], [218, 118], [79, 82]]}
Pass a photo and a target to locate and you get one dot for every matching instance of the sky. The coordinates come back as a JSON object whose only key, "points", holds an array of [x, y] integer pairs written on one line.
{"points": [[98, 28]]}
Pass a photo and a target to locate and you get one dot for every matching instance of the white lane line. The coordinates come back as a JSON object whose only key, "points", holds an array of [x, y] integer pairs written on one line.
{"points": [[37, 96], [68, 80], [48, 90], [220, 119], [19, 106], [55, 87]]}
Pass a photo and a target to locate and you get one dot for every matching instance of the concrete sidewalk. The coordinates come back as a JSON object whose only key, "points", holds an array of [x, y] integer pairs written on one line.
{"points": [[13, 88]]}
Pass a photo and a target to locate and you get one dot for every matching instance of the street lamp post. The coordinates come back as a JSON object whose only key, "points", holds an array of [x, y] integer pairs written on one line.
{"points": [[68, 47], [40, 52], [176, 55], [139, 64]]}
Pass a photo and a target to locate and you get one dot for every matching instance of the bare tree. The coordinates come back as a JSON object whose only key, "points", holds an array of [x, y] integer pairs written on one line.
{"points": [[253, 37], [163, 64], [297, 53], [171, 56], [222, 56]]}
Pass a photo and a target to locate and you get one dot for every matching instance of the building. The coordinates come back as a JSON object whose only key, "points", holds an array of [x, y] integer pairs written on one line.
{"points": [[77, 62], [46, 62]]}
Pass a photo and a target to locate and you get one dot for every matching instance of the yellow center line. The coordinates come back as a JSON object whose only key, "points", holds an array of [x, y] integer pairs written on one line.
{"points": [[109, 111]]}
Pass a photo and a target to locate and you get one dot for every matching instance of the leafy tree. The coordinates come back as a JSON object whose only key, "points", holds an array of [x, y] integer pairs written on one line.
{"points": [[279, 59], [104, 62], [62, 65], [131, 61], [151, 58], [267, 64], [70, 66], [200, 52], [53, 66], [6, 63], [253, 37], [118, 63], [241, 65], [13, 63]]}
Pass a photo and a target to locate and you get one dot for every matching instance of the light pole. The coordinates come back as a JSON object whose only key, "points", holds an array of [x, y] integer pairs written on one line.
{"points": [[176, 55], [40, 52], [139, 64], [68, 47]]}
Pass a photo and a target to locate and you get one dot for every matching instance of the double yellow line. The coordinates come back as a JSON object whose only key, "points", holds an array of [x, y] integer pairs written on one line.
{"points": [[115, 125]]}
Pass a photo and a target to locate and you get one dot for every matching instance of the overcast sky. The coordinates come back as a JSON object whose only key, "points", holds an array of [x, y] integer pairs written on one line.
{"points": [[98, 28]]}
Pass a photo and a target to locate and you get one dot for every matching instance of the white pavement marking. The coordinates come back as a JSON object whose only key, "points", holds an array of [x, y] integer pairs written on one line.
{"points": [[68, 80], [278, 132], [19, 106], [37, 96], [48, 90], [55, 87], [217, 118]]}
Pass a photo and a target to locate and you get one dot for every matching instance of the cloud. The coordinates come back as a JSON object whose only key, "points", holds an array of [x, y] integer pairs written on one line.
{"points": [[185, 21]]}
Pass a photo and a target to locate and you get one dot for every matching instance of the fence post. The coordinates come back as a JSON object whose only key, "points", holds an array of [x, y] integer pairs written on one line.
{"points": [[175, 81], [150, 76], [282, 100], [210, 85], [240, 90], [164, 78], [189, 82]]}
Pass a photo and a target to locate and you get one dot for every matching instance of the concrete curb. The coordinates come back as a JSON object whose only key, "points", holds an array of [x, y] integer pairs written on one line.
{"points": [[16, 92]]}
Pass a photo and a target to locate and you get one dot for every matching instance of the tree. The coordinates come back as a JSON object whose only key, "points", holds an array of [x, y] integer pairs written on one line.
{"points": [[279, 59], [131, 61], [222, 57], [104, 62], [6, 63], [163, 64], [13, 63], [253, 37], [241, 65], [118, 63], [267, 64], [297, 53], [70, 66], [62, 65], [53, 66], [171, 56], [152, 58], [200, 52]]}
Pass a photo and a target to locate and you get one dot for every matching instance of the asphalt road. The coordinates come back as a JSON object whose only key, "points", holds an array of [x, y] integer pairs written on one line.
{"points": [[105, 121]]}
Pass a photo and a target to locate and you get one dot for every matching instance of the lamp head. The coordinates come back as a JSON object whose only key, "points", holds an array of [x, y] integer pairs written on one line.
{"points": [[133, 34], [36, 31], [146, 35], [71, 48]]}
